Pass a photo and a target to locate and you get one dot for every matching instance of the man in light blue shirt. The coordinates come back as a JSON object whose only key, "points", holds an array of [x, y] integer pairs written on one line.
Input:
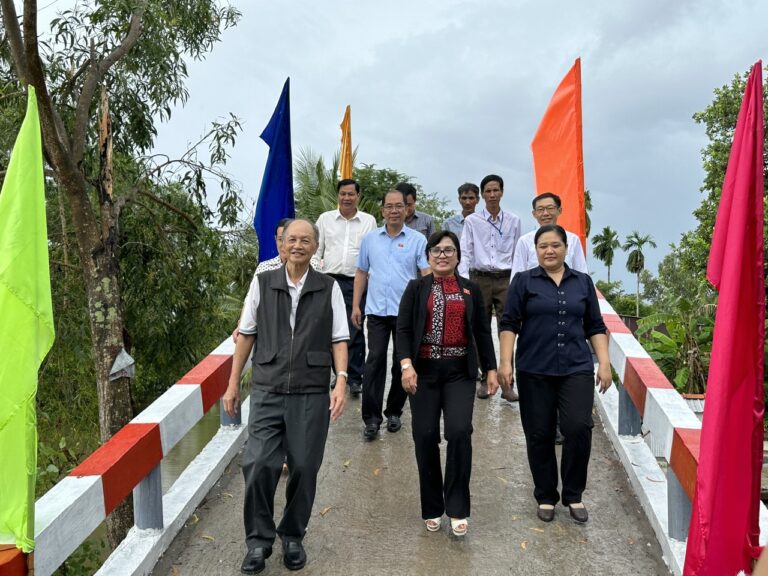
{"points": [[389, 258], [469, 196]]}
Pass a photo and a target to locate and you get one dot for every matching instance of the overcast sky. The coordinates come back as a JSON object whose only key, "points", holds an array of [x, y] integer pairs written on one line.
{"points": [[448, 91]]}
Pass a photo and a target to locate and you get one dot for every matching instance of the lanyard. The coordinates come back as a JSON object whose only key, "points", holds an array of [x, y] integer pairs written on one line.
{"points": [[501, 222]]}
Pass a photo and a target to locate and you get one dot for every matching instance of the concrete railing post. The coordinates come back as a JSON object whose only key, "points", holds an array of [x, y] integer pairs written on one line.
{"points": [[630, 423], [148, 501], [678, 508], [227, 420]]}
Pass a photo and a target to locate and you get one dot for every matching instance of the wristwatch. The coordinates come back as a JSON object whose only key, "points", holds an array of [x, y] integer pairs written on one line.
{"points": [[342, 373], [404, 367]]}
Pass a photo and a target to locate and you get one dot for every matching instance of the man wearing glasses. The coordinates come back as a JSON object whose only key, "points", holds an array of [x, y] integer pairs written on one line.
{"points": [[487, 247], [546, 209], [389, 258]]}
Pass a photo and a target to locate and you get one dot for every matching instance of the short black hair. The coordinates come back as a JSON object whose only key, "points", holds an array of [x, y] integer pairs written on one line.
{"points": [[347, 182], [395, 191], [491, 178], [436, 237], [544, 196], [407, 189], [281, 224], [469, 187], [556, 228]]}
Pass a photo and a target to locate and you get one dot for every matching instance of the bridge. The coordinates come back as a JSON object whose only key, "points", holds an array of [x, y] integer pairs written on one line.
{"points": [[366, 517]]}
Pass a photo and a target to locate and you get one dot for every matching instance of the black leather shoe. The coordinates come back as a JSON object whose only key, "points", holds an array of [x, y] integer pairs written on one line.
{"points": [[371, 431], [545, 514], [254, 561], [579, 514], [394, 424], [294, 556], [355, 388], [482, 390]]}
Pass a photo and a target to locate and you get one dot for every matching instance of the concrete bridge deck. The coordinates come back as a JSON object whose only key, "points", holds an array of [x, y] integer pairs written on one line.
{"points": [[366, 518]]}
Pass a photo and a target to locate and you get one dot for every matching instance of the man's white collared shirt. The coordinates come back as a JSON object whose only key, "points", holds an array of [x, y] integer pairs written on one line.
{"points": [[340, 330], [340, 240]]}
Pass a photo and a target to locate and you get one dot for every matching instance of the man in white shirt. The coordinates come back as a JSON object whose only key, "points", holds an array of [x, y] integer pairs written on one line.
{"points": [[341, 232], [547, 208], [487, 247]]}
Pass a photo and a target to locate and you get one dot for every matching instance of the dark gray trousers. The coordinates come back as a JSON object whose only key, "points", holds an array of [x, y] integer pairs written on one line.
{"points": [[295, 425]]}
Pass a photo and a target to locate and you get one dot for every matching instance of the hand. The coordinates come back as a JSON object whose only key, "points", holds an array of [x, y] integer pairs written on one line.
{"points": [[357, 317], [506, 376], [492, 381], [338, 397], [231, 399], [409, 380], [604, 378], [235, 333]]}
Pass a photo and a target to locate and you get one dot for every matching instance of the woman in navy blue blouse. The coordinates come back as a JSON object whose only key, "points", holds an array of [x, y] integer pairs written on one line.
{"points": [[550, 313]]}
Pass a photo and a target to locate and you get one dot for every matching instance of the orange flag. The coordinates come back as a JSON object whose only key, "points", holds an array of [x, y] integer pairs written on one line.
{"points": [[558, 157], [345, 164]]}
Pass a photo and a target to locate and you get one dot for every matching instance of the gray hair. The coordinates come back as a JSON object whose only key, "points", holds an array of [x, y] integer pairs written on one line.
{"points": [[315, 229]]}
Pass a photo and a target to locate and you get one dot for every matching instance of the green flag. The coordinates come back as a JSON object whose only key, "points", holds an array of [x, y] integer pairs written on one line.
{"points": [[26, 327]]}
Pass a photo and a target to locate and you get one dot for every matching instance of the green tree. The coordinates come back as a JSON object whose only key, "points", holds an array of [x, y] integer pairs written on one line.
{"points": [[587, 210], [134, 52], [624, 304], [604, 246], [635, 243]]}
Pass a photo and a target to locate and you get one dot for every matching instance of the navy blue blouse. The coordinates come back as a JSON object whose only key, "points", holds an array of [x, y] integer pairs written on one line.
{"points": [[552, 322]]}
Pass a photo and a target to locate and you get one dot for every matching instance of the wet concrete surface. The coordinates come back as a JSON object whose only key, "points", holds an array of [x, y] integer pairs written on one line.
{"points": [[366, 518]]}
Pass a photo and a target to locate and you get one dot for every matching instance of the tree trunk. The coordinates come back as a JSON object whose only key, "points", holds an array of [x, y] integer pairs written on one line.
{"points": [[99, 260], [609, 274], [637, 297]]}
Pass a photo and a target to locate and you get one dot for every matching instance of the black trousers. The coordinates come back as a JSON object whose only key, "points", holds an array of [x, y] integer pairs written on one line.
{"points": [[380, 329], [443, 386], [295, 425], [541, 399], [356, 344]]}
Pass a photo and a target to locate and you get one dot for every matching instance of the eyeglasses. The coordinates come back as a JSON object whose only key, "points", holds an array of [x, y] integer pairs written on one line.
{"points": [[551, 209], [436, 251], [390, 207]]}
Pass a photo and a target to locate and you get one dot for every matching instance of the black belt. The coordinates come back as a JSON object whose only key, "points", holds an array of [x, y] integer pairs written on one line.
{"points": [[489, 274], [341, 277]]}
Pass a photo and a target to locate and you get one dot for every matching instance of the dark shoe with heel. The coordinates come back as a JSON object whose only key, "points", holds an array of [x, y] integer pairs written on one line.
{"points": [[355, 388], [294, 556], [579, 514], [255, 560], [545, 514]]}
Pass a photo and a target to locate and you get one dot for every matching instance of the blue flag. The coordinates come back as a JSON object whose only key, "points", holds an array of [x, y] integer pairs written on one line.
{"points": [[276, 194]]}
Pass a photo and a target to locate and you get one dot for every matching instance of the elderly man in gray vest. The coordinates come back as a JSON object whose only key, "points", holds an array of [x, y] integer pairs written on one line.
{"points": [[295, 320]]}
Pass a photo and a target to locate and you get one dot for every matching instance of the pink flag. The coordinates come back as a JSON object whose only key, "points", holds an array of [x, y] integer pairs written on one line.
{"points": [[723, 536]]}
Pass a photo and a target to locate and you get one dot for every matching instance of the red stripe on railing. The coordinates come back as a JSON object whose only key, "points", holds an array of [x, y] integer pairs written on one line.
{"points": [[13, 562], [615, 324], [213, 375], [123, 461], [639, 375], [684, 459]]}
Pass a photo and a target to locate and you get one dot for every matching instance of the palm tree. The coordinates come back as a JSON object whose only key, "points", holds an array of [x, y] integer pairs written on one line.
{"points": [[587, 209], [604, 245], [636, 259]]}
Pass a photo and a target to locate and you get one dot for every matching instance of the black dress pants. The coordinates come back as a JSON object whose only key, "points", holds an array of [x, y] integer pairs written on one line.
{"points": [[443, 386], [541, 399], [356, 344], [295, 425], [380, 329]]}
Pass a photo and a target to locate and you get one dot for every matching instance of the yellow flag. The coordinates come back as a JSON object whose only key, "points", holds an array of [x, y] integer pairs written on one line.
{"points": [[26, 328], [345, 165]]}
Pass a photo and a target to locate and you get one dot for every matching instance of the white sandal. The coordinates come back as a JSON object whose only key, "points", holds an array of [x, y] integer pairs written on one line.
{"points": [[459, 526], [433, 524]]}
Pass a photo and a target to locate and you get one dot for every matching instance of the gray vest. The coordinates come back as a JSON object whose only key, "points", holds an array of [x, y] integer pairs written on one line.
{"points": [[298, 362]]}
